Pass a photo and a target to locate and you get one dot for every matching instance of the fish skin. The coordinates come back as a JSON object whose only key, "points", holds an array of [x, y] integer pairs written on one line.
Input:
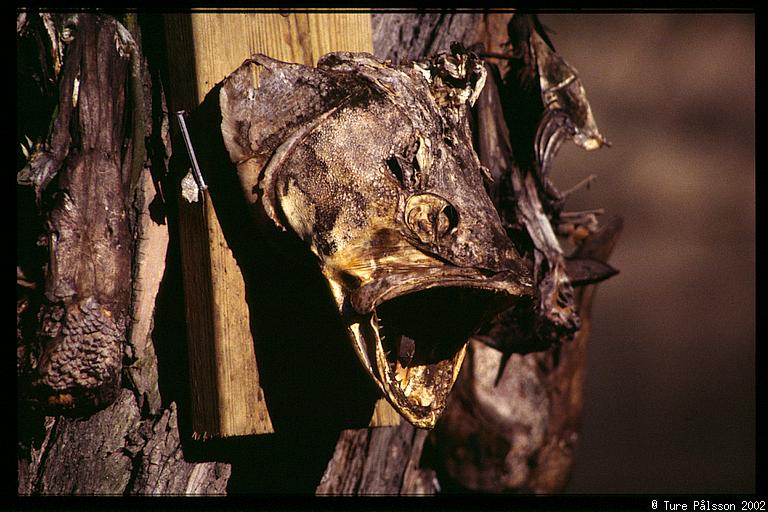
{"points": [[372, 166]]}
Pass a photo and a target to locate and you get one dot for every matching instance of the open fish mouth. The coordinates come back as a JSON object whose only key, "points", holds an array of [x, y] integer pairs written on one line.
{"points": [[414, 338], [377, 175]]}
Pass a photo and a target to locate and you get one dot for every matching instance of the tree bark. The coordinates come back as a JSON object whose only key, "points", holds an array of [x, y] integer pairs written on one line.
{"points": [[133, 445]]}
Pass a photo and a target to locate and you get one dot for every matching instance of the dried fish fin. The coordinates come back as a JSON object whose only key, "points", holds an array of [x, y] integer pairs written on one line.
{"points": [[561, 89], [40, 170], [566, 110], [583, 271], [557, 319], [565, 114], [553, 129]]}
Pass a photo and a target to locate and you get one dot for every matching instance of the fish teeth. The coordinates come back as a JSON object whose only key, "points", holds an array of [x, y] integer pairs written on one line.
{"points": [[401, 374], [408, 388]]}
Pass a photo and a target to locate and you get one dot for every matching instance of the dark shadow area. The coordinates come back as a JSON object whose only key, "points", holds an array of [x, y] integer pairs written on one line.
{"points": [[169, 330], [36, 100], [313, 383], [153, 39]]}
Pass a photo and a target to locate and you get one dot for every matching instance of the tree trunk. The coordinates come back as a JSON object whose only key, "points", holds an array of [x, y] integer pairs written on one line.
{"points": [[133, 446], [142, 443]]}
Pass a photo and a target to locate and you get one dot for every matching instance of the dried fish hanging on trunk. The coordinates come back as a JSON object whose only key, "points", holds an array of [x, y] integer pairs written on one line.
{"points": [[83, 180], [513, 421], [411, 246], [542, 104]]}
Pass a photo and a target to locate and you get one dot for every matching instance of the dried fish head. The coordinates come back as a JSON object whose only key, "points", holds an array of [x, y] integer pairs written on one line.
{"points": [[372, 166]]}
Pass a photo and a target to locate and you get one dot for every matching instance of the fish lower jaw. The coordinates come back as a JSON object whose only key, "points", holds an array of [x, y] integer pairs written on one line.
{"points": [[418, 392], [413, 339]]}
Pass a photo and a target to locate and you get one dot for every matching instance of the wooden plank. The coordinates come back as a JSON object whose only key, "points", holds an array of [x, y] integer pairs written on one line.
{"points": [[203, 49], [214, 44], [384, 415]]}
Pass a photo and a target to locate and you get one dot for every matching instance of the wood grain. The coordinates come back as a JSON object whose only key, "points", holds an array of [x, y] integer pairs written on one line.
{"points": [[203, 49]]}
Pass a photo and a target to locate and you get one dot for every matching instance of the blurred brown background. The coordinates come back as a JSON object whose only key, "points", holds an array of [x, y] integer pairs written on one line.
{"points": [[670, 394]]}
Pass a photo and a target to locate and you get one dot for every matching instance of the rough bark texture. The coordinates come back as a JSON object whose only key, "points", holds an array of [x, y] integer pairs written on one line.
{"points": [[87, 287], [378, 461], [131, 446]]}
